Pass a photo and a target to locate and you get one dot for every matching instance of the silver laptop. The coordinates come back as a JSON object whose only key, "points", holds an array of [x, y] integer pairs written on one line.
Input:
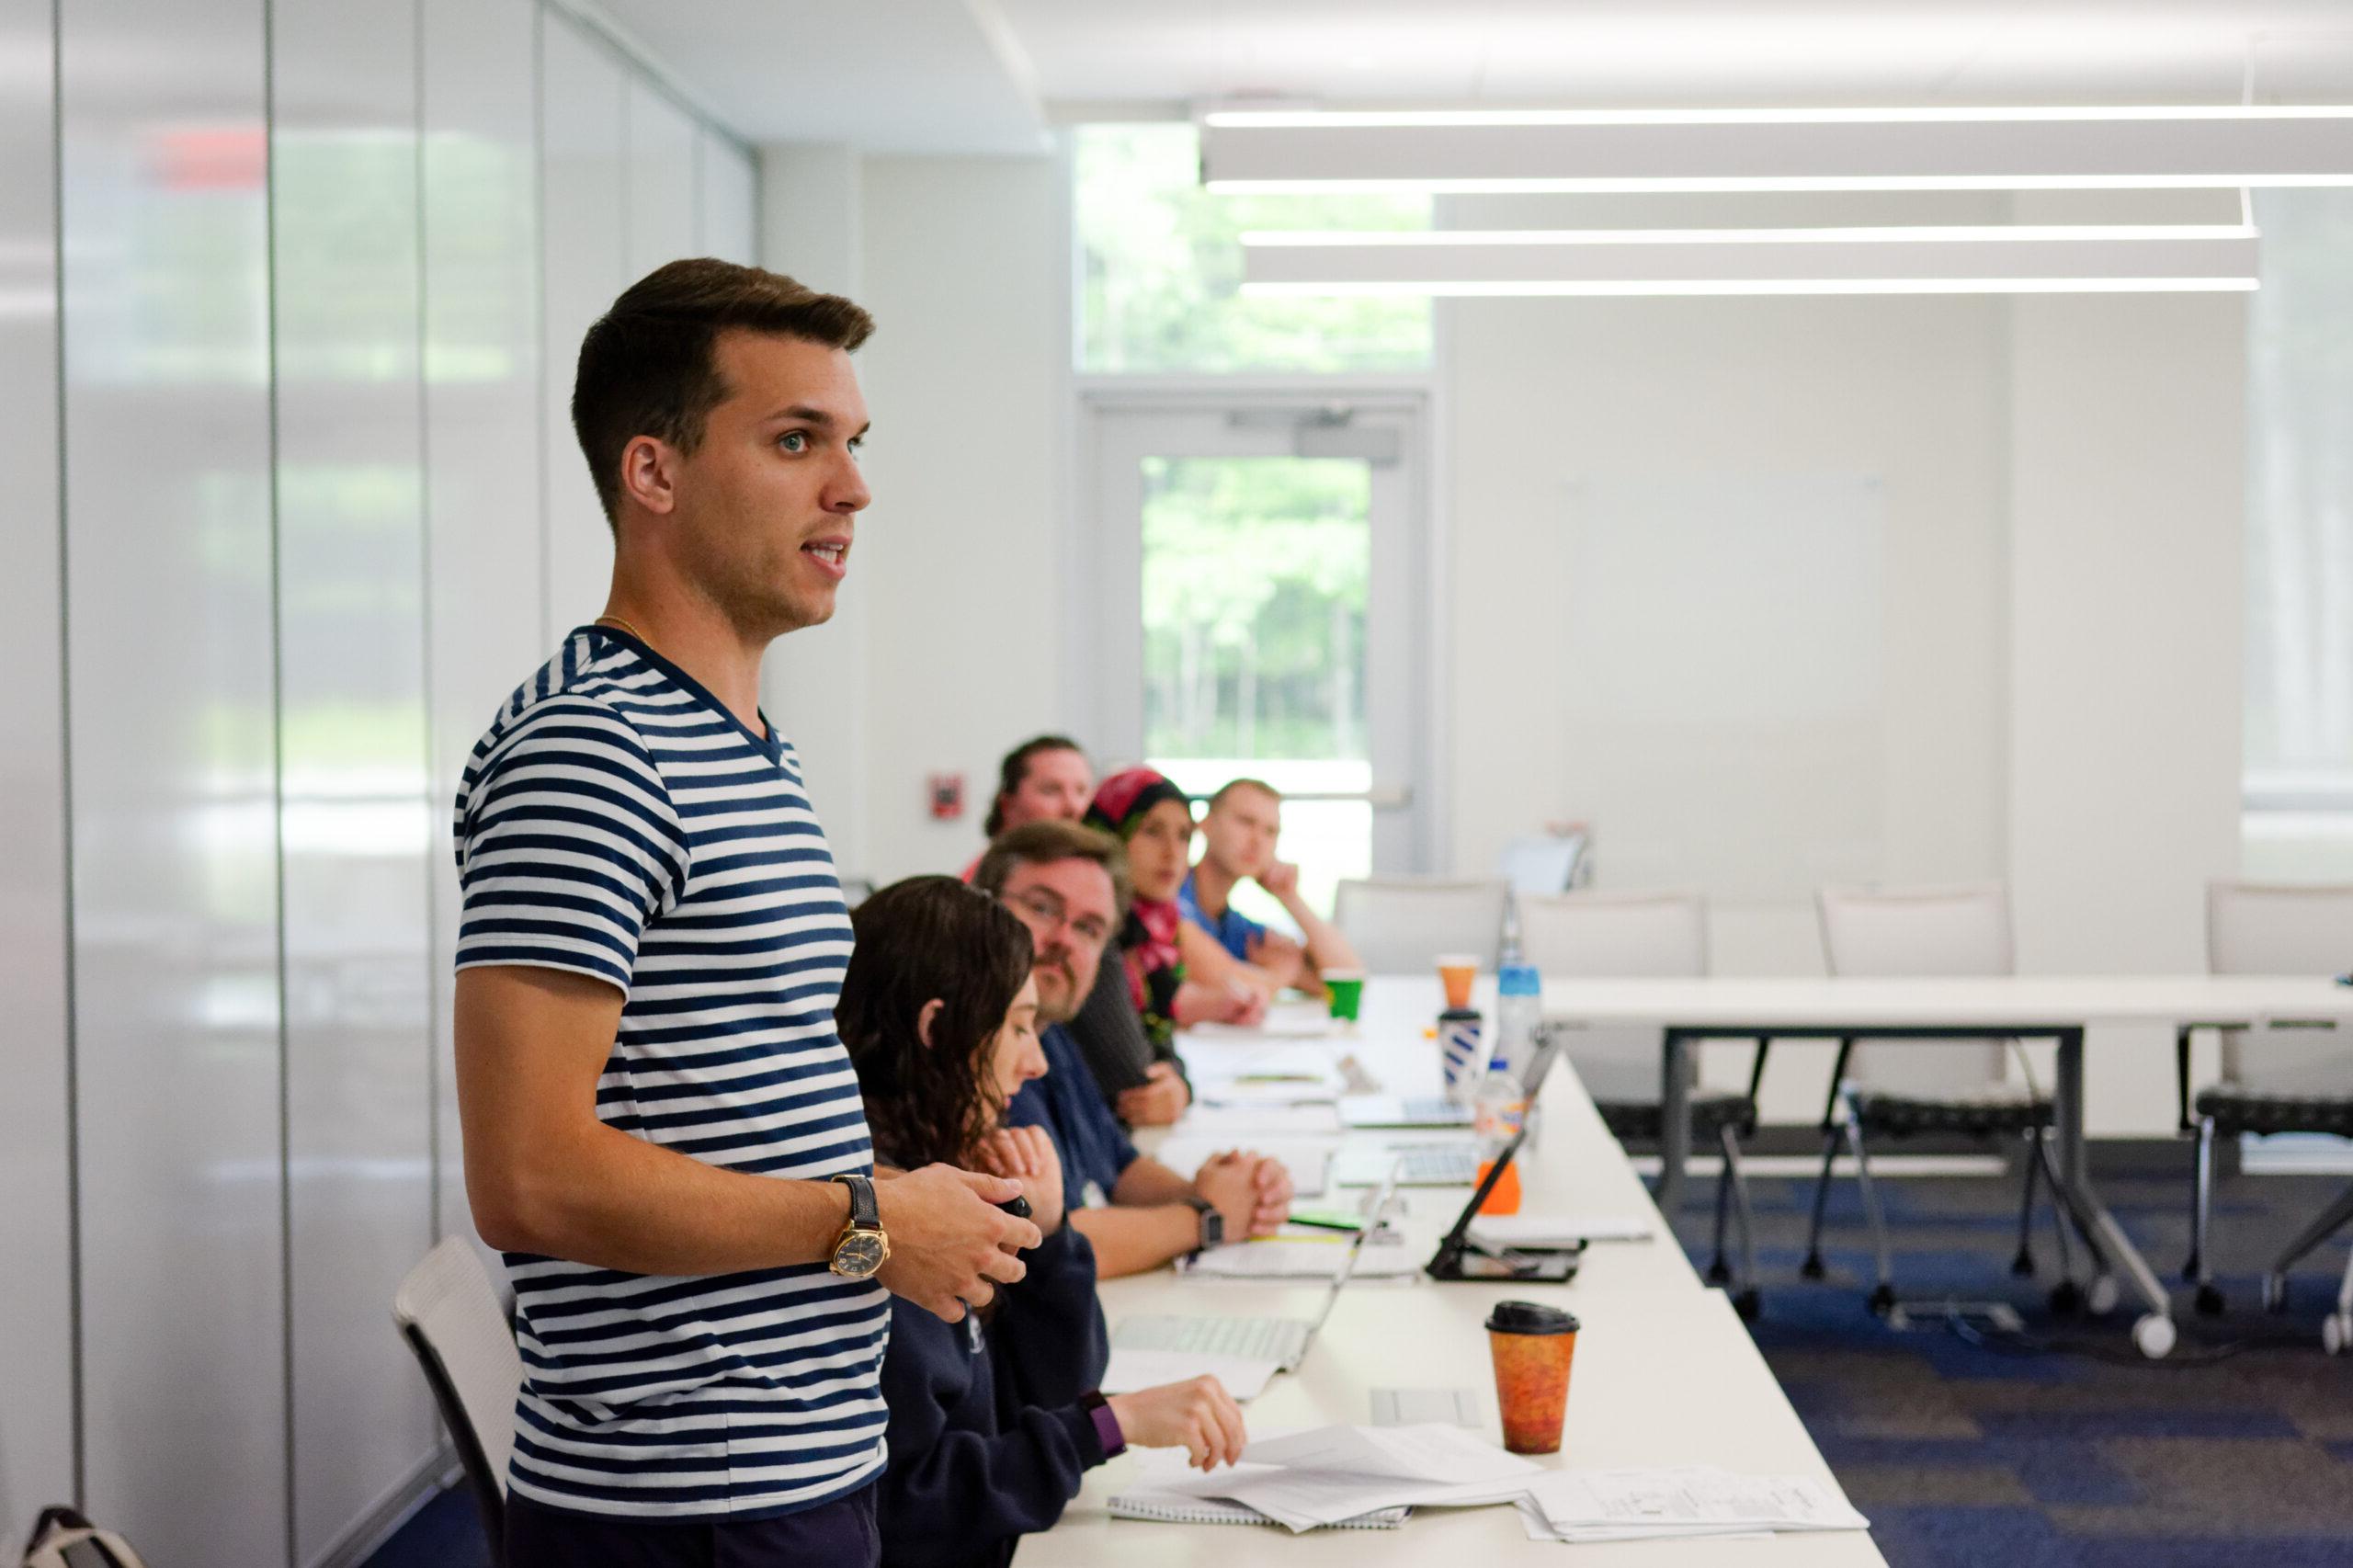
{"points": [[1283, 1341]]}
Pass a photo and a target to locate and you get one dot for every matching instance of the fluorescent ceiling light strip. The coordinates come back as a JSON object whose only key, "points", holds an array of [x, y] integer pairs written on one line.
{"points": [[1284, 119], [2000, 233], [1746, 152], [1734, 286], [1924, 259], [1702, 185]]}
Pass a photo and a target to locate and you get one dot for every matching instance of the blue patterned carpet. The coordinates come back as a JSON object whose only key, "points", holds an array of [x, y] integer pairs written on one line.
{"points": [[2062, 1448], [2059, 1449]]}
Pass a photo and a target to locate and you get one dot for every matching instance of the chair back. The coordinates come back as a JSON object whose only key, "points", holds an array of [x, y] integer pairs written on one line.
{"points": [[1904, 932], [1543, 865], [448, 1312], [1399, 924], [1616, 935], [2278, 928]]}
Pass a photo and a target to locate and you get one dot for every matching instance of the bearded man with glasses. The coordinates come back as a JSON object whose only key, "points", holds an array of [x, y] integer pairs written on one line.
{"points": [[1067, 883]]}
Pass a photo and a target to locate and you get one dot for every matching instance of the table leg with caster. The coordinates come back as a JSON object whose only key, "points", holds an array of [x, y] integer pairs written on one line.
{"points": [[2154, 1334]]}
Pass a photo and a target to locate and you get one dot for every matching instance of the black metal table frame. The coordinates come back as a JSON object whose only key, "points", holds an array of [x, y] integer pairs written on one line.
{"points": [[2113, 1249]]}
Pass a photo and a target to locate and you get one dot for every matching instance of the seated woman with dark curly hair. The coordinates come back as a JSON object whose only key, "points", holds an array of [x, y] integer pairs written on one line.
{"points": [[995, 1419]]}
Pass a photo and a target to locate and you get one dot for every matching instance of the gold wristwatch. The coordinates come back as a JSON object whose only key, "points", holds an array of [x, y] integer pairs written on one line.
{"points": [[862, 1247]]}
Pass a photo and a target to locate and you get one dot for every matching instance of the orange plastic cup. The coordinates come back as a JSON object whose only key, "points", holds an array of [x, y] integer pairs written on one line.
{"points": [[1457, 972], [1504, 1199], [1532, 1346]]}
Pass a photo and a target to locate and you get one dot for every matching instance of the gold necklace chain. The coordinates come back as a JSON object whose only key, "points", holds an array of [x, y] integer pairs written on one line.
{"points": [[617, 621]]}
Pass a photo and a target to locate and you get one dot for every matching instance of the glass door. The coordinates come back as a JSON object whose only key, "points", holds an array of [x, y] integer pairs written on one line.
{"points": [[1267, 616]]}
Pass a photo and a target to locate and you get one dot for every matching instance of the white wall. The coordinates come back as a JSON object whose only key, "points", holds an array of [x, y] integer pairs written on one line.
{"points": [[298, 559], [1561, 417], [2128, 558], [954, 572], [813, 683]]}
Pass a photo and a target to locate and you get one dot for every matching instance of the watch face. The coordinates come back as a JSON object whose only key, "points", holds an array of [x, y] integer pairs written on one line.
{"points": [[857, 1255], [1212, 1229]]}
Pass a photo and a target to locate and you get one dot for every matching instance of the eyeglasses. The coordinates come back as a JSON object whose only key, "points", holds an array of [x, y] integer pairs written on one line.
{"points": [[1051, 912]]}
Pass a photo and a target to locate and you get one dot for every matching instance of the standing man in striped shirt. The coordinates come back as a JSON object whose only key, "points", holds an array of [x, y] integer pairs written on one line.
{"points": [[662, 1131]]}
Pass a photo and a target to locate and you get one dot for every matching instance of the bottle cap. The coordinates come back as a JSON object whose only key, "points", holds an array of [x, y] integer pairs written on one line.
{"points": [[1519, 980]]}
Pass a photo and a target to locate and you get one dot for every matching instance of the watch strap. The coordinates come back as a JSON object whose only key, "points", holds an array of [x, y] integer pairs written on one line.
{"points": [[1106, 1426], [865, 1214]]}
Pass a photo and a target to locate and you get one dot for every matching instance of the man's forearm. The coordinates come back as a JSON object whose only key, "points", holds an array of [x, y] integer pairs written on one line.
{"points": [[616, 1201], [1326, 947], [1129, 1239], [1146, 1182]]}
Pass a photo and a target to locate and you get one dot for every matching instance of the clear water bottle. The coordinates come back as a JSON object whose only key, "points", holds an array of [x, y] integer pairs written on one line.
{"points": [[1500, 1108], [1520, 1016]]}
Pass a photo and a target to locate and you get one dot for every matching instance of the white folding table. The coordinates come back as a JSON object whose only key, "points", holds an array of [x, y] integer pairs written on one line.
{"points": [[1946, 1008], [1666, 1372]]}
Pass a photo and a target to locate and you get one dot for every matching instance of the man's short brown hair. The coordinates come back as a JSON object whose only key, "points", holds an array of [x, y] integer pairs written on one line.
{"points": [[1049, 842], [1260, 785], [648, 366]]}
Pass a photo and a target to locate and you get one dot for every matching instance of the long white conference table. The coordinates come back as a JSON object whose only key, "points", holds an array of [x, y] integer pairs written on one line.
{"points": [[2061, 1008], [1665, 1374]]}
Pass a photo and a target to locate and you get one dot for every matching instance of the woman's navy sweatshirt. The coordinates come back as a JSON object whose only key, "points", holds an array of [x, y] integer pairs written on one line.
{"points": [[988, 1439]]}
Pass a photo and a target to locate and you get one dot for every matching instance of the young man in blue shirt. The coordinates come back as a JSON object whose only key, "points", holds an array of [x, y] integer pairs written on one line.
{"points": [[1238, 839]]}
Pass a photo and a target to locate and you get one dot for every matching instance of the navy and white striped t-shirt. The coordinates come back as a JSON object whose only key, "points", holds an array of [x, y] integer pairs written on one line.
{"points": [[617, 821]]}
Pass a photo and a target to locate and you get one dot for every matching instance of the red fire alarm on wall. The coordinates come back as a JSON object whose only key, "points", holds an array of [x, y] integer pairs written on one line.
{"points": [[946, 793]]}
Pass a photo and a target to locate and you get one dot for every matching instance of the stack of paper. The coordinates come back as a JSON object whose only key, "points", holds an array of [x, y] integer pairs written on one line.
{"points": [[1557, 1230], [1354, 1476], [1350, 1476], [1663, 1505]]}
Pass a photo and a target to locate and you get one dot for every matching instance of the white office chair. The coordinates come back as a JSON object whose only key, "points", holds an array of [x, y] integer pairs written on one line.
{"points": [[449, 1314], [2274, 1080], [1617, 936], [1398, 925], [1897, 1089]]}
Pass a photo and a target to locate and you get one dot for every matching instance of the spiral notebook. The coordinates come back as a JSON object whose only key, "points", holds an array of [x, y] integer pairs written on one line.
{"points": [[1167, 1509]]}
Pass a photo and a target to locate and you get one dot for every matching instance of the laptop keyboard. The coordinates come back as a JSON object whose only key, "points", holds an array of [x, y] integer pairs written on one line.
{"points": [[1279, 1340], [1454, 1166]]}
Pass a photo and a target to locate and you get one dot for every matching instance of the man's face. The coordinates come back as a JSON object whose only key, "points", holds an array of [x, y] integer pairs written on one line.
{"points": [[1241, 834], [1072, 913], [1056, 785], [763, 506]]}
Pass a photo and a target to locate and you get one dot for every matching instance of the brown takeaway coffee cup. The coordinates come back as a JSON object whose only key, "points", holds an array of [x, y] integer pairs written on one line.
{"points": [[1532, 1345]]}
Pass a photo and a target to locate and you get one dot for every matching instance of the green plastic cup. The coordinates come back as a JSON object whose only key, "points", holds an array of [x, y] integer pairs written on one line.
{"points": [[1347, 994]]}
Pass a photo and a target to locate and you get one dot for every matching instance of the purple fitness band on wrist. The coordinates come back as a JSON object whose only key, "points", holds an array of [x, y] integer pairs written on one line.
{"points": [[1106, 1426]]}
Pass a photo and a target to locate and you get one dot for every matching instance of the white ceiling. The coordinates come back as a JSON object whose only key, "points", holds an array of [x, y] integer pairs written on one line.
{"points": [[1683, 51], [984, 75], [883, 75]]}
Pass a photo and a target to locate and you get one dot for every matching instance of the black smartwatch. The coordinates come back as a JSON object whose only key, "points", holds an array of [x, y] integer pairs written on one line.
{"points": [[1212, 1233]]}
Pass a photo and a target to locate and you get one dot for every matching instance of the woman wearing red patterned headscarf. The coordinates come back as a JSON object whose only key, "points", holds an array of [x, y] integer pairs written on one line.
{"points": [[1153, 818]]}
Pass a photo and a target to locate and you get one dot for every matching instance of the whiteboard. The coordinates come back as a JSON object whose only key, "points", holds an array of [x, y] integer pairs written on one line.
{"points": [[1722, 639]]}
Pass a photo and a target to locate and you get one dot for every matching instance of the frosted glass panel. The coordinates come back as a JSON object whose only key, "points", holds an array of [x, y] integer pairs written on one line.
{"points": [[36, 1330], [168, 544], [353, 801], [583, 160]]}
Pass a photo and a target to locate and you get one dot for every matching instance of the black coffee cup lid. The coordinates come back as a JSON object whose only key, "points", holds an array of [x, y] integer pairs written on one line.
{"points": [[1457, 1015], [1529, 1317]]}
